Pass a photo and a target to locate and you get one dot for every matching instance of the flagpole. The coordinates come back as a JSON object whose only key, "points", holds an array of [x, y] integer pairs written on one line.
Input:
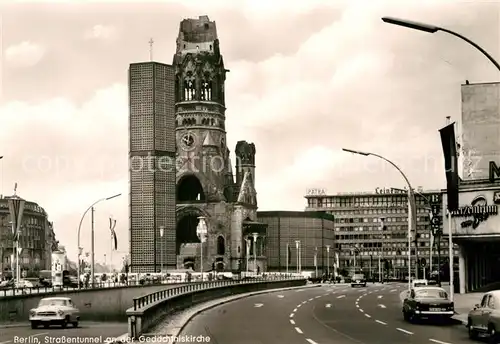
{"points": [[287, 257]]}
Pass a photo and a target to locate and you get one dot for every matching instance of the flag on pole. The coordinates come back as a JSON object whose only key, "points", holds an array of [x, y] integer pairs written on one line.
{"points": [[16, 210], [112, 224]]}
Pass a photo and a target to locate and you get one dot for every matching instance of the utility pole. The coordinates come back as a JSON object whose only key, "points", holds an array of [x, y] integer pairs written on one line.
{"points": [[92, 248]]}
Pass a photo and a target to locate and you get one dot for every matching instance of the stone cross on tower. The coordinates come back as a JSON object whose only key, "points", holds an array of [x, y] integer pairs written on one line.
{"points": [[151, 42]]}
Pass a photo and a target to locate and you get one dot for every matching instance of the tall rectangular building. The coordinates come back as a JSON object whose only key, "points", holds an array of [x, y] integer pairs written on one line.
{"points": [[152, 166]]}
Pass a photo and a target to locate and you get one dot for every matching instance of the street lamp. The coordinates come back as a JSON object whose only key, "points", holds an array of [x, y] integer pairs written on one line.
{"points": [[297, 247], [201, 231], [92, 238], [412, 219], [433, 29], [255, 235], [162, 230], [328, 261]]}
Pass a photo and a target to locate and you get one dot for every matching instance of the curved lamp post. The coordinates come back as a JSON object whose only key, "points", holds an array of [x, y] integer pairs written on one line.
{"points": [[79, 229], [412, 219], [433, 29]]}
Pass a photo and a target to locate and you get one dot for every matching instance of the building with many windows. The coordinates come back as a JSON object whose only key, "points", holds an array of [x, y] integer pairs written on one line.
{"points": [[152, 166], [314, 233], [37, 239], [373, 225]]}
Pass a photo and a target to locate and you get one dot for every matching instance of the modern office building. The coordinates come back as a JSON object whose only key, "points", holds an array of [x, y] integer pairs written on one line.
{"points": [[295, 238], [369, 225], [152, 166], [37, 240], [475, 226]]}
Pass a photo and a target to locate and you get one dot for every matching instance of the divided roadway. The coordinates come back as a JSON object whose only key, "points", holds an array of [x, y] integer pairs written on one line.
{"points": [[328, 314]]}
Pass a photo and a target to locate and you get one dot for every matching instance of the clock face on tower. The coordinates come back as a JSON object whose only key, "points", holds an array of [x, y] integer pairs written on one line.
{"points": [[188, 141]]}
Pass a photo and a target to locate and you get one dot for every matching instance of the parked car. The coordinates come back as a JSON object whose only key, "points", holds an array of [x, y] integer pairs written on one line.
{"points": [[427, 302], [54, 311], [419, 283], [484, 318], [7, 284], [358, 280]]}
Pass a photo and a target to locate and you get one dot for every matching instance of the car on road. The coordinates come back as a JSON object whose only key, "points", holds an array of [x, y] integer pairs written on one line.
{"points": [[54, 311], [427, 302], [358, 280], [484, 318], [419, 283]]}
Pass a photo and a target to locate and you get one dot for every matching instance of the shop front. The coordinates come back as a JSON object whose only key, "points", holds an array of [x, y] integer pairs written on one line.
{"points": [[475, 228]]}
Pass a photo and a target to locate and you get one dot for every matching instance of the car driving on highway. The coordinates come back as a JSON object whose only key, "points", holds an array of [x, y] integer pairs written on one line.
{"points": [[358, 280], [427, 302], [55, 311], [484, 318]]}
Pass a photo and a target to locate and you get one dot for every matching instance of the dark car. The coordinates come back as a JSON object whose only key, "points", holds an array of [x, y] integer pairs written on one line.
{"points": [[71, 282], [358, 280], [427, 302]]}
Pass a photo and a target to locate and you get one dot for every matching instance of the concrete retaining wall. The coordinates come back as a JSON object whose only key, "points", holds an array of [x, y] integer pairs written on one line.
{"points": [[143, 319], [106, 304]]}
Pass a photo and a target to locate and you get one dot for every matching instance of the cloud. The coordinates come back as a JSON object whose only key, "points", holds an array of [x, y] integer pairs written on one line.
{"points": [[101, 32], [24, 54]]}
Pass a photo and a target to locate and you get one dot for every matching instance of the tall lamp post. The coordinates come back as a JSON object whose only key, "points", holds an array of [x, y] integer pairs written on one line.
{"points": [[254, 236], [412, 219], [92, 238], [328, 261], [433, 29], [201, 231], [162, 231], [297, 247]]}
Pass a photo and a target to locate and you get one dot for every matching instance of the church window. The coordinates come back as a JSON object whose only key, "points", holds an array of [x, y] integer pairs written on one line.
{"points": [[221, 245], [206, 90], [212, 121], [189, 90], [210, 47], [206, 26], [198, 47]]}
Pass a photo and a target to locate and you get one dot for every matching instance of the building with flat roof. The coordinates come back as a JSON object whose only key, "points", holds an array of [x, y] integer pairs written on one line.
{"points": [[373, 225], [312, 231]]}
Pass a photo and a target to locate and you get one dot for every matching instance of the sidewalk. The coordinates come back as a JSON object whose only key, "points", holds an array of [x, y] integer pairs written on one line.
{"points": [[464, 303]]}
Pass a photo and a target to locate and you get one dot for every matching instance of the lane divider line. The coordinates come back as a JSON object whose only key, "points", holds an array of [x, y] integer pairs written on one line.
{"points": [[299, 305], [292, 322], [291, 315], [404, 331], [295, 310], [299, 330], [381, 322], [438, 341], [311, 299], [311, 341], [368, 316], [362, 311]]}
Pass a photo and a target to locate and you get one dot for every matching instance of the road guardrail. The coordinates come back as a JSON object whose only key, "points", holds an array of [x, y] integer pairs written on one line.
{"points": [[149, 309]]}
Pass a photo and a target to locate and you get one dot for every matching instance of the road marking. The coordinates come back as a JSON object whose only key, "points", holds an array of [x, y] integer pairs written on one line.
{"points": [[328, 305], [341, 296], [317, 297], [404, 331], [299, 305], [438, 341], [311, 299], [368, 316], [382, 306], [291, 315], [357, 306], [304, 302], [299, 330], [311, 341], [380, 296], [393, 290], [295, 310], [257, 305], [381, 322], [281, 296], [292, 322]]}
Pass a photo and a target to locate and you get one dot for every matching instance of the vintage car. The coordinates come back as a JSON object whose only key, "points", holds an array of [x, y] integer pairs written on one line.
{"points": [[427, 302], [419, 283], [358, 280], [55, 311], [484, 318]]}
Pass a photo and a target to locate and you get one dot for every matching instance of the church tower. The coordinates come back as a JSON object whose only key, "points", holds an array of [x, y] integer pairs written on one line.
{"points": [[204, 177]]}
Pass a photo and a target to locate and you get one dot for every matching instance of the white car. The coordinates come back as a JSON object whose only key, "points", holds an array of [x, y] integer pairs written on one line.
{"points": [[55, 311], [419, 283]]}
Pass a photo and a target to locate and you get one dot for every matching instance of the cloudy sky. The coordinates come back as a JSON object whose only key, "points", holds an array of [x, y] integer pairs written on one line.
{"points": [[307, 78]]}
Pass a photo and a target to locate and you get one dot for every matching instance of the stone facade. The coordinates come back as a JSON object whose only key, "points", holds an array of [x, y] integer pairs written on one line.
{"points": [[206, 185]]}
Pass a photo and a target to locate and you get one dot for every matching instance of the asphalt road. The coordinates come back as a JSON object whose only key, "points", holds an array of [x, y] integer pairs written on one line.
{"points": [[330, 314], [57, 335]]}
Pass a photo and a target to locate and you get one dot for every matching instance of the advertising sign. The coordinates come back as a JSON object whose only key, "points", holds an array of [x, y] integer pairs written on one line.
{"points": [[58, 266], [477, 214]]}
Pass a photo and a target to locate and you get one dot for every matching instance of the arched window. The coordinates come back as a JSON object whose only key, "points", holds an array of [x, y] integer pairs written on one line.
{"points": [[189, 89], [221, 245], [206, 90]]}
